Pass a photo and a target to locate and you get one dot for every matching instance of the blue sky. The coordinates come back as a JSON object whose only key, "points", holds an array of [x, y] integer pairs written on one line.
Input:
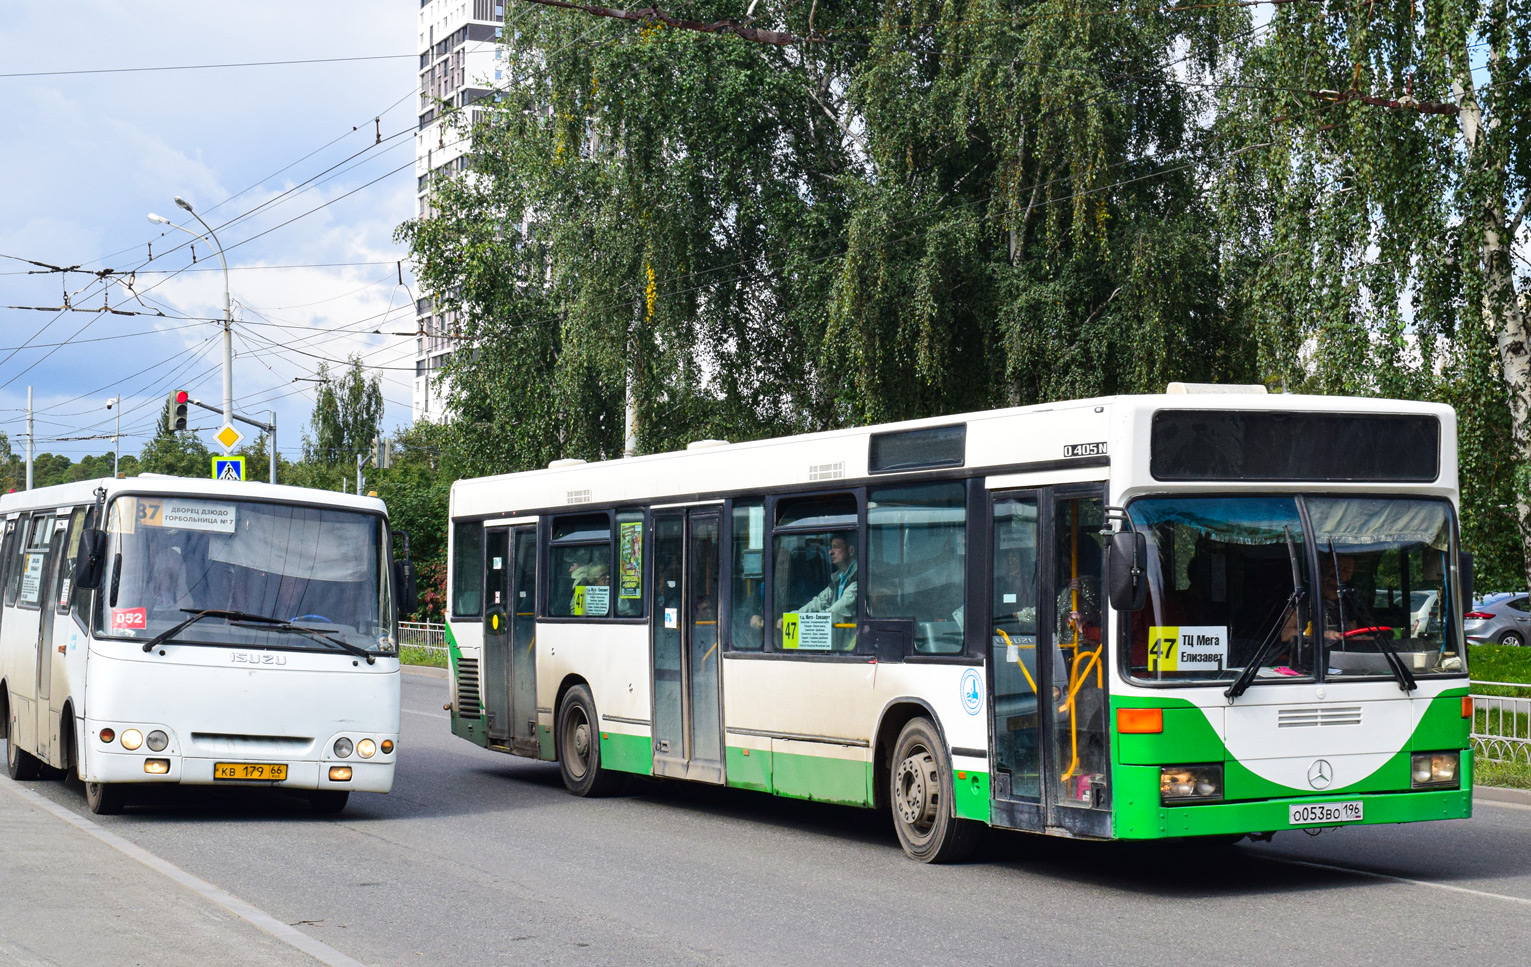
{"points": [[86, 157]]}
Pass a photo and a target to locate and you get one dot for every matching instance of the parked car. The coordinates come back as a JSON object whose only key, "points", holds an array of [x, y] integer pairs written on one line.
{"points": [[1499, 619]]}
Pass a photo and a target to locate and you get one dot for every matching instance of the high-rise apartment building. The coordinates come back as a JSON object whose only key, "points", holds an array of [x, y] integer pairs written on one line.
{"points": [[459, 63]]}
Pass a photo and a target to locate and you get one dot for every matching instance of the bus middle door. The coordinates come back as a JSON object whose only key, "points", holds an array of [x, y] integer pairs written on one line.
{"points": [[686, 657]]}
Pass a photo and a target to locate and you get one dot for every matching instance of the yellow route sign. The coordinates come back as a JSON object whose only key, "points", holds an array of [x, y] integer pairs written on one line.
{"points": [[228, 437]]}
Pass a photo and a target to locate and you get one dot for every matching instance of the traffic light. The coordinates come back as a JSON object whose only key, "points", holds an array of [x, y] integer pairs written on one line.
{"points": [[179, 399], [382, 453]]}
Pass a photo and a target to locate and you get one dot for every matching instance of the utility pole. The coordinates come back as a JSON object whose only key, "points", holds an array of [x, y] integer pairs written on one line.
{"points": [[116, 406], [29, 438], [273, 446]]}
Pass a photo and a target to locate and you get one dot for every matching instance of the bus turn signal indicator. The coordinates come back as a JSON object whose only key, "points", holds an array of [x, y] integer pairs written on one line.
{"points": [[1140, 721]]}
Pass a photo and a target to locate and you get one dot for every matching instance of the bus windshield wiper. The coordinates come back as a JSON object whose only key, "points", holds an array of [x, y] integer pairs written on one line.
{"points": [[196, 616], [278, 624], [1406, 682], [1293, 602]]}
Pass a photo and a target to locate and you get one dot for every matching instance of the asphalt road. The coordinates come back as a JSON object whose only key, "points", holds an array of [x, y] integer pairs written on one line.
{"points": [[479, 858]]}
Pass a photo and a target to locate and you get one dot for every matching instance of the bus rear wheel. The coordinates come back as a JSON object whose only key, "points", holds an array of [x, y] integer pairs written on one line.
{"points": [[920, 793], [579, 746], [105, 798], [20, 764]]}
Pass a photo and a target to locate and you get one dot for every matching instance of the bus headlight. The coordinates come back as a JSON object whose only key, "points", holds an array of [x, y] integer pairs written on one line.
{"points": [[132, 739], [1191, 783], [158, 740], [343, 748], [157, 767], [340, 773], [1434, 769], [366, 748]]}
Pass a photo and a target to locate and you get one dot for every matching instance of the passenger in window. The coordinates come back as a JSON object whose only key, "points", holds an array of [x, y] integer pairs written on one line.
{"points": [[838, 596]]}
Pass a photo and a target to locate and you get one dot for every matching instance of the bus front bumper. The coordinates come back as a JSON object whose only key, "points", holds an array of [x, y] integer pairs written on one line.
{"points": [[119, 767], [1272, 815]]}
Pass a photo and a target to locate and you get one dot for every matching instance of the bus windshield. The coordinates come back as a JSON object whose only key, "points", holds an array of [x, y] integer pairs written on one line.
{"points": [[1233, 578], [320, 568]]}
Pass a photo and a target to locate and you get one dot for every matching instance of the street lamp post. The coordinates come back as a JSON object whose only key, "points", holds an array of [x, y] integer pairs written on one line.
{"points": [[228, 311]]}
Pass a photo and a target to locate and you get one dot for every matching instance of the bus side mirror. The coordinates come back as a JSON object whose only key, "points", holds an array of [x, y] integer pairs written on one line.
{"points": [[91, 559], [408, 587], [1465, 567], [1127, 576]]}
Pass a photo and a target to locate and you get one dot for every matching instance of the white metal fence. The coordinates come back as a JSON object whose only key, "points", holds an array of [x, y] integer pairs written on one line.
{"points": [[1502, 725], [430, 635]]}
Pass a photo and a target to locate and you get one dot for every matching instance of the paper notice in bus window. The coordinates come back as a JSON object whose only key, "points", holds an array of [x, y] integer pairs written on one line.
{"points": [[630, 559], [129, 619], [32, 579], [597, 600], [1187, 648], [191, 516], [807, 630]]}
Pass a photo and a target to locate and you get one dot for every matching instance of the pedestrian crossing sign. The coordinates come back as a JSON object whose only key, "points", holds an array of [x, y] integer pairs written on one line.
{"points": [[228, 468]]}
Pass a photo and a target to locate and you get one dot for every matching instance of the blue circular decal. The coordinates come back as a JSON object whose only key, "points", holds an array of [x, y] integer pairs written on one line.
{"points": [[972, 691]]}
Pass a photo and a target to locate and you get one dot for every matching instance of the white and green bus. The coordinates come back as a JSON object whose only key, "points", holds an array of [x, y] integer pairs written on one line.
{"points": [[1205, 613]]}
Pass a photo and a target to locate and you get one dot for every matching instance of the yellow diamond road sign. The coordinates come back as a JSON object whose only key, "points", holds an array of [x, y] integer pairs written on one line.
{"points": [[229, 437]]}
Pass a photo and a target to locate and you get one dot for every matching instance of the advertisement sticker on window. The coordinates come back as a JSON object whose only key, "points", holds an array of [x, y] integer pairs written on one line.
{"points": [[597, 600], [630, 559]]}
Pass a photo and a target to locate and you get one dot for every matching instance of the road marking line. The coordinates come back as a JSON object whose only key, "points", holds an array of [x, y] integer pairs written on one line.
{"points": [[317, 949], [429, 715], [1400, 879]]}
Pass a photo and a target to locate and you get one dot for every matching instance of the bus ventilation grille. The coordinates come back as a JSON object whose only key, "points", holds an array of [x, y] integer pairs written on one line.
{"points": [[468, 705], [578, 496], [1302, 718], [826, 471]]}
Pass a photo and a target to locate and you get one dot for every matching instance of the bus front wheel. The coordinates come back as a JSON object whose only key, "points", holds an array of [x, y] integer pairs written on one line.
{"points": [[579, 746], [328, 802], [105, 798], [920, 793]]}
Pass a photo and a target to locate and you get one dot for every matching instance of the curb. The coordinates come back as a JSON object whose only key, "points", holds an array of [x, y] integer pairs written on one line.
{"points": [[1520, 797], [425, 671]]}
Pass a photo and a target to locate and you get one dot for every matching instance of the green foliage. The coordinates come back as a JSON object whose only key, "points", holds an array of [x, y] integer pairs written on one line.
{"points": [[348, 411], [1357, 236]]}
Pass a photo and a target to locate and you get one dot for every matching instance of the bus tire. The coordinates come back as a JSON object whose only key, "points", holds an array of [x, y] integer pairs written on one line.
{"points": [[328, 802], [105, 798], [20, 765], [920, 795], [579, 746]]}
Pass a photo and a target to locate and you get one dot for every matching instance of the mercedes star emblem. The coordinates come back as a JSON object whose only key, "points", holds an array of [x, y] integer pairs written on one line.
{"points": [[1320, 774]]}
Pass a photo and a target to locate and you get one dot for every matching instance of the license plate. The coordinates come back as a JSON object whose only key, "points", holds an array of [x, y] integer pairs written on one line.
{"points": [[251, 771], [1324, 813]]}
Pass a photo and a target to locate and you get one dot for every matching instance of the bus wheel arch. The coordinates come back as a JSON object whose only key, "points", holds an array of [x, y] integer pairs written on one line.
{"points": [[895, 715], [5, 710], [68, 747]]}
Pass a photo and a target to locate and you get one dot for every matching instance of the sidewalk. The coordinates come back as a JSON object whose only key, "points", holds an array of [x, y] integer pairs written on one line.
{"points": [[67, 898]]}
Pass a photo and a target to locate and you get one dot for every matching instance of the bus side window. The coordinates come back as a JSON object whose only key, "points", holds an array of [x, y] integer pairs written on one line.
{"points": [[7, 550], [467, 568], [747, 595], [66, 566], [15, 551]]}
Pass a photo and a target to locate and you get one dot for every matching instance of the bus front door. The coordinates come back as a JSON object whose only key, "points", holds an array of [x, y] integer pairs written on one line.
{"points": [[688, 720], [1047, 662], [510, 663]]}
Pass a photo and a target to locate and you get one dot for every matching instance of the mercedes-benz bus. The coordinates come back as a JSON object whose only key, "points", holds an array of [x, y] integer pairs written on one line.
{"points": [[169, 631], [1181, 615]]}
